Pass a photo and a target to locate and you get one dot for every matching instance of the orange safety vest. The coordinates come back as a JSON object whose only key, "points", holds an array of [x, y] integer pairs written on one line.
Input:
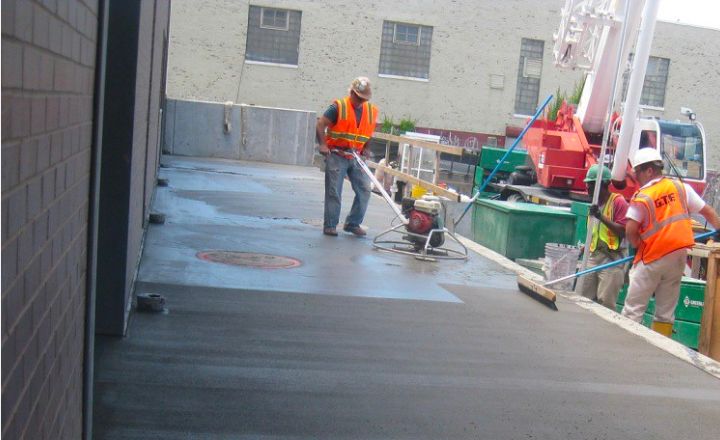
{"points": [[602, 232], [669, 225], [346, 133]]}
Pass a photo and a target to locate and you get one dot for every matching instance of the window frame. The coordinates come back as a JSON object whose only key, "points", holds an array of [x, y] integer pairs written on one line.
{"points": [[285, 28], [418, 35]]}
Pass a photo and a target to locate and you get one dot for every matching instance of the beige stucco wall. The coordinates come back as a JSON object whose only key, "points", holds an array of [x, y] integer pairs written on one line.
{"points": [[471, 40]]}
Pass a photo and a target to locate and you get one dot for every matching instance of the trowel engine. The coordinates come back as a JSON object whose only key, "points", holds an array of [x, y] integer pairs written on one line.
{"points": [[423, 216]]}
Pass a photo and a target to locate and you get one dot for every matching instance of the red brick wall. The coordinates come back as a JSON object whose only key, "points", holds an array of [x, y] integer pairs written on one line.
{"points": [[48, 67]]}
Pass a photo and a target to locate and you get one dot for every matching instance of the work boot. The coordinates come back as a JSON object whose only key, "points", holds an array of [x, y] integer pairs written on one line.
{"points": [[330, 231], [357, 230]]}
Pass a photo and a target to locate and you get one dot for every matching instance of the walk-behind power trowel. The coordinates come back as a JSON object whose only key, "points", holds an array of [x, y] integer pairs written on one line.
{"points": [[421, 227]]}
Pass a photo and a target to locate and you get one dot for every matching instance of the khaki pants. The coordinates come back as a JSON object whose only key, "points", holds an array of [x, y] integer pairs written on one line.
{"points": [[605, 284], [661, 277]]}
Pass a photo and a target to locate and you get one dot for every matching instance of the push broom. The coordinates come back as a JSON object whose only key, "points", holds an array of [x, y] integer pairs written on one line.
{"points": [[541, 292]]}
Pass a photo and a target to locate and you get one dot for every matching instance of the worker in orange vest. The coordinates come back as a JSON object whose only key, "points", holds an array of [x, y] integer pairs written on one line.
{"points": [[660, 228], [605, 243], [347, 124]]}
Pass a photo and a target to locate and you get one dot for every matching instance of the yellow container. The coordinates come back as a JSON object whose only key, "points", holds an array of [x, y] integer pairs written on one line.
{"points": [[417, 191]]}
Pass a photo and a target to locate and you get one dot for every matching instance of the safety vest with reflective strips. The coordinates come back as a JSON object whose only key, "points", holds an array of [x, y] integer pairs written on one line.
{"points": [[346, 133], [669, 225], [602, 232]]}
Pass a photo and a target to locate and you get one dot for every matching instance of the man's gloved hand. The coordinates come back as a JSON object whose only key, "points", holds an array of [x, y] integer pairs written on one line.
{"points": [[367, 153], [324, 150], [595, 211]]}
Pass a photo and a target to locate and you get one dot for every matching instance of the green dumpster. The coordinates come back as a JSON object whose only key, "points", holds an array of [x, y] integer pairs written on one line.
{"points": [[520, 230], [581, 211], [688, 312]]}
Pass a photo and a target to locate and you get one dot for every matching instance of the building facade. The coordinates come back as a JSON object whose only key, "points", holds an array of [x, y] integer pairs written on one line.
{"points": [[82, 89], [475, 66]]}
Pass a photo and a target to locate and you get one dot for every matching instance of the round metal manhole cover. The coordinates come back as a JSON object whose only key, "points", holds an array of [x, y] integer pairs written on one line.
{"points": [[249, 259]]}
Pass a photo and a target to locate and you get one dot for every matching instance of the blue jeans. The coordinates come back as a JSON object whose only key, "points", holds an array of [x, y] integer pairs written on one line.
{"points": [[336, 168]]}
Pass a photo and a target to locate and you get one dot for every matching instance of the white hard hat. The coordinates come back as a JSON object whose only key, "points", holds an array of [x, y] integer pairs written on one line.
{"points": [[645, 155], [361, 86]]}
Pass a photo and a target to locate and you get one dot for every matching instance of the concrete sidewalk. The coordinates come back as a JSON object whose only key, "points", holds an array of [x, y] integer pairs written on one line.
{"points": [[356, 343]]}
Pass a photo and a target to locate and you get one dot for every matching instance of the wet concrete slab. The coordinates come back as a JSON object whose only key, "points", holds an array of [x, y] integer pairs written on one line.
{"points": [[357, 343]]}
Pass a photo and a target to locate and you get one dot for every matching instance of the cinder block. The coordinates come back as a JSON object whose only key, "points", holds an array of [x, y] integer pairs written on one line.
{"points": [[9, 263], [37, 115], [34, 198], [77, 47], [25, 248], [48, 188], [10, 165], [47, 63], [52, 118], [32, 279], [20, 117], [8, 20], [43, 160], [12, 64], [55, 31], [41, 31], [17, 201], [28, 158], [56, 145], [67, 41], [64, 110], [24, 20], [31, 68]]}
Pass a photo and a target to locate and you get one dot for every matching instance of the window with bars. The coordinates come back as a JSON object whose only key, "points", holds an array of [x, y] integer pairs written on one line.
{"points": [[656, 75], [405, 50], [273, 35], [529, 73]]}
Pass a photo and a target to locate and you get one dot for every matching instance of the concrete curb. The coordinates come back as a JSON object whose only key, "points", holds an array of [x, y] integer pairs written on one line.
{"points": [[676, 349]]}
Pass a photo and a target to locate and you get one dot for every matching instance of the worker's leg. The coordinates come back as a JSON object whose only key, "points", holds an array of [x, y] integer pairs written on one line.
{"points": [[587, 285], [335, 170], [361, 185], [643, 282], [668, 291], [610, 282]]}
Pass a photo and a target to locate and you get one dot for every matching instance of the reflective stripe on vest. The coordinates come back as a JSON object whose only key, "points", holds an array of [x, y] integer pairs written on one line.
{"points": [[346, 133], [601, 231], [669, 225]]}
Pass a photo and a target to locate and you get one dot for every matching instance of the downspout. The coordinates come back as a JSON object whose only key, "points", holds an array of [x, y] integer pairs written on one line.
{"points": [[93, 220]]}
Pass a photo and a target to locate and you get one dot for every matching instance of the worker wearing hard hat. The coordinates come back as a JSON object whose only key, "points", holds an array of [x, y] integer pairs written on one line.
{"points": [[350, 123], [660, 227], [605, 244]]}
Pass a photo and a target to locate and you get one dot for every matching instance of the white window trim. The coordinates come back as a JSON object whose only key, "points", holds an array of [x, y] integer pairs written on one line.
{"points": [[652, 107], [407, 78], [265, 63], [287, 19], [516, 115], [416, 43]]}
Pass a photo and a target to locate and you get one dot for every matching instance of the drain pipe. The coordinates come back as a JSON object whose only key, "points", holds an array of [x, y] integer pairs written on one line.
{"points": [[93, 220]]}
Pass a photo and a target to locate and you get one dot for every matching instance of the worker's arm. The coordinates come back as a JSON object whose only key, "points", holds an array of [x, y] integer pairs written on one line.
{"points": [[616, 228], [322, 124], [711, 216], [632, 232]]}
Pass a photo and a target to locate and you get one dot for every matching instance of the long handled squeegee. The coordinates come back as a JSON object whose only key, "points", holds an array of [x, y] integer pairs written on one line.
{"points": [[380, 187], [541, 292]]}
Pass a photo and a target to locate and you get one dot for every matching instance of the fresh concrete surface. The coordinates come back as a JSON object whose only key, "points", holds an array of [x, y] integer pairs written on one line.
{"points": [[357, 343]]}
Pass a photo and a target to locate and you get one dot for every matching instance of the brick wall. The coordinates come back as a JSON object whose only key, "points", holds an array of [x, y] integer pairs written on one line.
{"points": [[48, 67]]}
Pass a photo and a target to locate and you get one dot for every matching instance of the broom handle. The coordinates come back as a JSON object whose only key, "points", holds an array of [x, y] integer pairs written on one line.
{"points": [[615, 263]]}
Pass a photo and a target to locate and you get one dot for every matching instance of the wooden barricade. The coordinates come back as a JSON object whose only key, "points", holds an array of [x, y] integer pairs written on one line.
{"points": [[709, 341]]}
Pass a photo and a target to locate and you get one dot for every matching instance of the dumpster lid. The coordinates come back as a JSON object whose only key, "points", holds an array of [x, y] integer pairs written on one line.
{"points": [[515, 207]]}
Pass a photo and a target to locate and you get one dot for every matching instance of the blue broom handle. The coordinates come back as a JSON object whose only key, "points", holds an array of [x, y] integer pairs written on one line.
{"points": [[507, 153]]}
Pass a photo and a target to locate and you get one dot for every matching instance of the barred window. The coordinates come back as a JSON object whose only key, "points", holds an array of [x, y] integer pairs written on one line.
{"points": [[655, 83], [405, 50], [273, 35], [529, 73]]}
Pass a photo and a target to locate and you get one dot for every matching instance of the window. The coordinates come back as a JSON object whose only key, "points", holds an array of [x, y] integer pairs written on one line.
{"points": [[529, 73], [653, 92], [405, 50], [273, 35]]}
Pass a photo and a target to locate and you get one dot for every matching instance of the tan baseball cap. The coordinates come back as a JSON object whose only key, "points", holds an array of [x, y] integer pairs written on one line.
{"points": [[361, 87]]}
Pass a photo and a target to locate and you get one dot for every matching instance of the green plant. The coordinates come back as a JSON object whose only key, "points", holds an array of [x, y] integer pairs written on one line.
{"points": [[577, 92], [555, 105], [406, 124], [387, 125]]}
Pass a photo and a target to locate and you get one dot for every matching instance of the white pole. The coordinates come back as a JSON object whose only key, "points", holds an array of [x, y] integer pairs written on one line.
{"points": [[637, 79]]}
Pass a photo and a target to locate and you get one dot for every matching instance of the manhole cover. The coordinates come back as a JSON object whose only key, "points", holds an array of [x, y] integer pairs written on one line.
{"points": [[249, 259]]}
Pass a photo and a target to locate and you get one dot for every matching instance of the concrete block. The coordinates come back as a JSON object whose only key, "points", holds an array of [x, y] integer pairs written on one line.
{"points": [[24, 20], [77, 47], [278, 135], [62, 9], [8, 20], [56, 146], [17, 202], [10, 165], [43, 159], [28, 158], [34, 197], [198, 130], [50, 5], [55, 31], [31, 68], [9, 263], [41, 27], [20, 117], [47, 72], [12, 64], [37, 115], [67, 41], [52, 116], [25, 247], [60, 179]]}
